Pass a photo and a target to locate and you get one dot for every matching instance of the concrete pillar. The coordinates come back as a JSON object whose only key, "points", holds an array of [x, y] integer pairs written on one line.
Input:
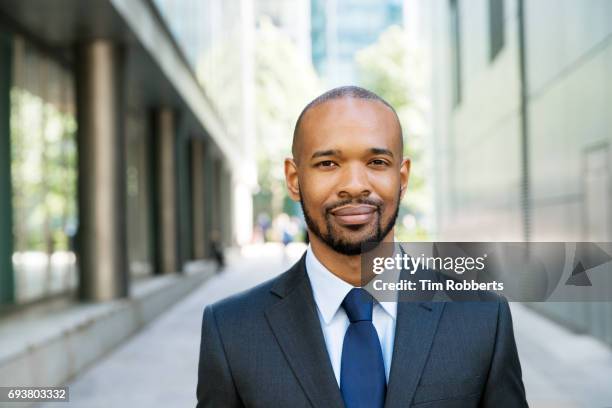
{"points": [[184, 200], [7, 287], [101, 246], [219, 220], [215, 198], [227, 207], [198, 203], [209, 197], [167, 192]]}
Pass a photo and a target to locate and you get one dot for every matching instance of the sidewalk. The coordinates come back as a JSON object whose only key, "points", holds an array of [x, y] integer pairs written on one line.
{"points": [[158, 366], [561, 369]]}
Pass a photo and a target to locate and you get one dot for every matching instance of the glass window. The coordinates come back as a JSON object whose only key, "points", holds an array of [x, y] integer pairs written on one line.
{"points": [[43, 166], [139, 194]]}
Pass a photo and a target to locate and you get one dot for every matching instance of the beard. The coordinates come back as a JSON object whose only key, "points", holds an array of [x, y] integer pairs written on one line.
{"points": [[337, 239]]}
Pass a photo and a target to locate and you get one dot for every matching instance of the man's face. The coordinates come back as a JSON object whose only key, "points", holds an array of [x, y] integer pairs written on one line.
{"points": [[348, 173]]}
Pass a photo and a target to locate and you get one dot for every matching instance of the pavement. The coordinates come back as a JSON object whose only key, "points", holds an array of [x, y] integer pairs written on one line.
{"points": [[561, 369], [158, 366]]}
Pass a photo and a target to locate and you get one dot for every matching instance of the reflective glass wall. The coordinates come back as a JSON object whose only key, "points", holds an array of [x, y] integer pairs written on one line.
{"points": [[43, 166], [139, 196]]}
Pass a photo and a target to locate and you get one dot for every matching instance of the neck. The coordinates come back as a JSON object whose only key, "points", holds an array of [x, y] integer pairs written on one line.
{"points": [[346, 267]]}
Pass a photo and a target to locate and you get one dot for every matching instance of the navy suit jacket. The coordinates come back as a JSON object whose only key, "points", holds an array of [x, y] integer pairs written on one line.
{"points": [[265, 348]]}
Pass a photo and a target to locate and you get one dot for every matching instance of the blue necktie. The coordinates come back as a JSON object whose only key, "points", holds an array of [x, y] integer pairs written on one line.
{"points": [[362, 373]]}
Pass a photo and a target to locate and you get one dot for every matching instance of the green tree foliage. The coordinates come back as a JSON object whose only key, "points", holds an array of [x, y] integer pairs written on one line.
{"points": [[284, 83], [394, 72]]}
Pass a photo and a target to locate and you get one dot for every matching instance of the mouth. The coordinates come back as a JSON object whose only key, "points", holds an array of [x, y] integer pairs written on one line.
{"points": [[350, 215]]}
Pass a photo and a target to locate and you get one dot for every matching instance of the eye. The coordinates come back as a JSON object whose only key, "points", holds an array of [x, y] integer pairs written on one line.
{"points": [[379, 162], [326, 163]]}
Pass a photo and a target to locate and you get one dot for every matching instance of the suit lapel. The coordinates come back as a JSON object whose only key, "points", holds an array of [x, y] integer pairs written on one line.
{"points": [[416, 327], [297, 329]]}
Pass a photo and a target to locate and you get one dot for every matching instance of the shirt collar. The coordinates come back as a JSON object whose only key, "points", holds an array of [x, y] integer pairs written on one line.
{"points": [[329, 290]]}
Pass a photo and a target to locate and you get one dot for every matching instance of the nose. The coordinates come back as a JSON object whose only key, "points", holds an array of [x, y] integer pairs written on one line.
{"points": [[354, 182]]}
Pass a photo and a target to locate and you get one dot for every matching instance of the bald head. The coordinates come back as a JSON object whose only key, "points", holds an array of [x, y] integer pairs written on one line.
{"points": [[342, 92]]}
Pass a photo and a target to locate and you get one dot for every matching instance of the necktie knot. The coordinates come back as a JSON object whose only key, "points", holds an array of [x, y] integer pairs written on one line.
{"points": [[358, 305]]}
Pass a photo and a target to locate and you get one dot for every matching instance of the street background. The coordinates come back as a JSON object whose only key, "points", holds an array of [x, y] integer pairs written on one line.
{"points": [[142, 146]]}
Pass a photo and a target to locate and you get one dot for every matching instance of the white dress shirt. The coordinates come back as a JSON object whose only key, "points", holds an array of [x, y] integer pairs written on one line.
{"points": [[329, 291]]}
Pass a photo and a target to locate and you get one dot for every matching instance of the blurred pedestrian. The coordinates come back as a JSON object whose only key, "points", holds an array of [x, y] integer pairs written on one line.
{"points": [[264, 223], [216, 248]]}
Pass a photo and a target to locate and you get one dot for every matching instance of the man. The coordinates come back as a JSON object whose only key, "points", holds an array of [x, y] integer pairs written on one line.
{"points": [[307, 338]]}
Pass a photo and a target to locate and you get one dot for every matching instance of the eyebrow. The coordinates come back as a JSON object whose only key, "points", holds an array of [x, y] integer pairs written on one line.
{"points": [[380, 150], [336, 152], [320, 153]]}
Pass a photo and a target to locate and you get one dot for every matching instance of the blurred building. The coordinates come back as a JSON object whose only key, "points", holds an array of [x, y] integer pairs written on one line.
{"points": [[340, 28], [105, 97], [126, 140], [292, 17], [218, 39], [522, 129]]}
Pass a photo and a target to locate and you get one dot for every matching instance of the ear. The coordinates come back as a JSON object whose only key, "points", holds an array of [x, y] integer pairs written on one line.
{"points": [[404, 176], [291, 178]]}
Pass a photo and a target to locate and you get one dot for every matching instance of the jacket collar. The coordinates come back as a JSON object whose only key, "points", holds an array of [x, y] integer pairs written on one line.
{"points": [[295, 324], [297, 329]]}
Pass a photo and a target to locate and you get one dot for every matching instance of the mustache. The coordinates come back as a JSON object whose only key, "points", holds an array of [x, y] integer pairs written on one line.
{"points": [[367, 201]]}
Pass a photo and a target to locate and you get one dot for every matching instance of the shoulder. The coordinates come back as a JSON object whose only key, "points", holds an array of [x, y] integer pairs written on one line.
{"points": [[254, 301], [469, 291], [239, 316], [483, 320], [477, 309], [255, 298]]}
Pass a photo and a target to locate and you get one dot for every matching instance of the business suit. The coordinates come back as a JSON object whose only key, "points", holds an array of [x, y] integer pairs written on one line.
{"points": [[265, 348]]}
